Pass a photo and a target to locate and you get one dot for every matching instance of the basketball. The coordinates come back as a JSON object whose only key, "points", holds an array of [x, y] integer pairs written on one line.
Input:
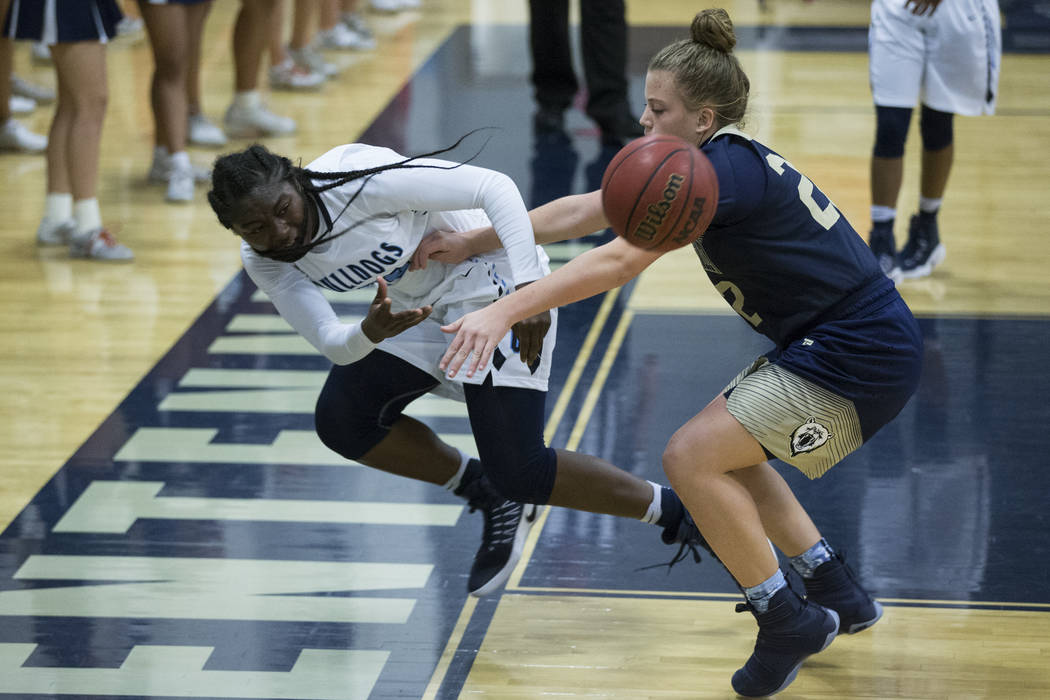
{"points": [[659, 193]]}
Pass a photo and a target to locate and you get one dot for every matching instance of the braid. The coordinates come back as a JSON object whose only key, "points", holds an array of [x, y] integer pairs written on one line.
{"points": [[237, 175]]}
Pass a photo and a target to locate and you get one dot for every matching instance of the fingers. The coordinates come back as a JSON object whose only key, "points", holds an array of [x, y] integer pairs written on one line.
{"points": [[403, 320], [461, 351], [451, 360], [531, 350], [478, 360], [524, 336], [475, 359], [419, 258], [381, 289]]}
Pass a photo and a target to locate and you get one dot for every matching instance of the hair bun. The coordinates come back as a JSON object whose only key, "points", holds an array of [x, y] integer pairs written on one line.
{"points": [[713, 28]]}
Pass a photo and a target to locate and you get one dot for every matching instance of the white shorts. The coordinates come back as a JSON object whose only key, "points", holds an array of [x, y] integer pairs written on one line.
{"points": [[948, 61], [468, 286]]}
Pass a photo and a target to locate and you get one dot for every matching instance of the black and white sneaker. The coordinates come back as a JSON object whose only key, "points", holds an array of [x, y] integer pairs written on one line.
{"points": [[881, 241], [924, 250], [507, 525]]}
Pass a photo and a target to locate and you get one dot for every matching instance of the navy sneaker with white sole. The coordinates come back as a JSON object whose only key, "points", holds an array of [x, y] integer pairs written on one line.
{"points": [[789, 631], [835, 586]]}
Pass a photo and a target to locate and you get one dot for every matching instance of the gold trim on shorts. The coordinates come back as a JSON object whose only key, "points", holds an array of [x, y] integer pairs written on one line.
{"points": [[799, 422]]}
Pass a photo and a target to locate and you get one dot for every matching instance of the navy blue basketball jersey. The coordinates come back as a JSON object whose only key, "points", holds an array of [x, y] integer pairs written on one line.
{"points": [[778, 250]]}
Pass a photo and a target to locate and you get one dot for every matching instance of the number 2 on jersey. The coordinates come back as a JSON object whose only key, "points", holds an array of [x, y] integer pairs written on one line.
{"points": [[827, 216]]}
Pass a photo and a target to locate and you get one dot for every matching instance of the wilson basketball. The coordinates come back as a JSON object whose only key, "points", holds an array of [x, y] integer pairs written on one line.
{"points": [[659, 193]]}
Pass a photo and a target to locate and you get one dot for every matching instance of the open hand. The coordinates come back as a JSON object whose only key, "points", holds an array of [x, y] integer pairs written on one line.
{"points": [[381, 322], [477, 335]]}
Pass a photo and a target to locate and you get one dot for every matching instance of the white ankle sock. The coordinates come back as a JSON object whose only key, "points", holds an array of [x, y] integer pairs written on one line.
{"points": [[453, 483], [87, 214], [930, 205], [247, 99], [882, 213], [653, 513], [180, 161], [58, 206]]}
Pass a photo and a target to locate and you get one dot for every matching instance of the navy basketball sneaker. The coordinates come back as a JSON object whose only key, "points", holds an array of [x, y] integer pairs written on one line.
{"points": [[789, 631], [687, 536], [835, 587]]}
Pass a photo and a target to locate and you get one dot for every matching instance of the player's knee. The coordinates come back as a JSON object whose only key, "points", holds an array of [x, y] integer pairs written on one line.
{"points": [[678, 460], [936, 129], [891, 131], [347, 435], [527, 480]]}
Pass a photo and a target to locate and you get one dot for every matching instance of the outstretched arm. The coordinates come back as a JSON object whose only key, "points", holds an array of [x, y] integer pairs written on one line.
{"points": [[596, 271], [568, 217], [561, 219]]}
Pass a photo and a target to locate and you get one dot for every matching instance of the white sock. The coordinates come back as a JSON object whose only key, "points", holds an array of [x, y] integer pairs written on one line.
{"points": [[652, 515], [180, 161], [87, 214], [247, 99], [58, 206], [882, 213], [930, 205], [453, 483]]}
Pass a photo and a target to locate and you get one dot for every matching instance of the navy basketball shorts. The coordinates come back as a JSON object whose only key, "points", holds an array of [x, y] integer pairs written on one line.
{"points": [[821, 397]]}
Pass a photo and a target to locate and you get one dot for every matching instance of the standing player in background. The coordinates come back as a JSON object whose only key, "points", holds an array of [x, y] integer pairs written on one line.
{"points": [[946, 57], [603, 44], [847, 353], [353, 218]]}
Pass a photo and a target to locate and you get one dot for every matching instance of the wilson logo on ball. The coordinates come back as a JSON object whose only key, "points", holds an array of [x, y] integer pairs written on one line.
{"points": [[655, 213], [659, 193]]}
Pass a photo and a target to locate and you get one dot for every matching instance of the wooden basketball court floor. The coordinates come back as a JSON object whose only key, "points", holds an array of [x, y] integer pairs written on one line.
{"points": [[173, 529]]}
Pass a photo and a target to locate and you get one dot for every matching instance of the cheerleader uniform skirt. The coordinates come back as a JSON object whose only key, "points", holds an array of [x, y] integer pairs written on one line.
{"points": [[61, 21]]}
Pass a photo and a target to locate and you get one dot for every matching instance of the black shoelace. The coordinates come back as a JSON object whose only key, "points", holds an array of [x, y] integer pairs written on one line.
{"points": [[684, 550]]}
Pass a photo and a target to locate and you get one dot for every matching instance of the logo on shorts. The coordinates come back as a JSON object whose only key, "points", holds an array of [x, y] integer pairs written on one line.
{"points": [[808, 437]]}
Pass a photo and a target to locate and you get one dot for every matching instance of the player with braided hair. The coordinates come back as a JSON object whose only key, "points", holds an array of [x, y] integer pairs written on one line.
{"points": [[353, 218]]}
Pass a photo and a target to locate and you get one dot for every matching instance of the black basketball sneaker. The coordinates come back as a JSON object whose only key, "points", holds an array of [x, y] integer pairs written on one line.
{"points": [[507, 525], [924, 250]]}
